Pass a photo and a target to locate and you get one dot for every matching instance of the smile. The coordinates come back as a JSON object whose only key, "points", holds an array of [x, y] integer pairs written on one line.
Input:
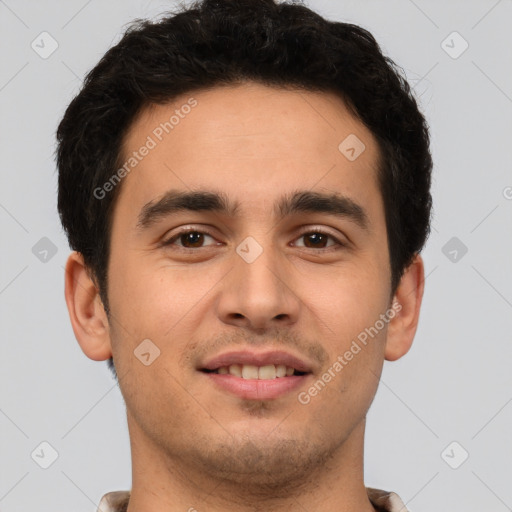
{"points": [[254, 375], [249, 371]]}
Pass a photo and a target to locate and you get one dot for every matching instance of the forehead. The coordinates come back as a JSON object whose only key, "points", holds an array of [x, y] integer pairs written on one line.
{"points": [[252, 141]]}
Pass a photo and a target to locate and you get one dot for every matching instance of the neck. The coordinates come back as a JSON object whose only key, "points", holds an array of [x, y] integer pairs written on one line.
{"points": [[161, 481]]}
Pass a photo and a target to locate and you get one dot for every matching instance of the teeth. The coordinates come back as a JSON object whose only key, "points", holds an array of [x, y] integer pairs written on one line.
{"points": [[281, 370], [236, 370], [249, 371], [267, 372]]}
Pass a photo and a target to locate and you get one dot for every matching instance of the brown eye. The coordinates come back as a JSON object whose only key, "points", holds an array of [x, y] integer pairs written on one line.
{"points": [[188, 239], [315, 240], [194, 238], [318, 239]]}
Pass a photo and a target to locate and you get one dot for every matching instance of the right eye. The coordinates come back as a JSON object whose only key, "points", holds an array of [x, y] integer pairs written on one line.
{"points": [[187, 236]]}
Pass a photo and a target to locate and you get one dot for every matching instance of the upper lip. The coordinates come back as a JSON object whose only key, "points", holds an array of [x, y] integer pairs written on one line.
{"points": [[242, 357]]}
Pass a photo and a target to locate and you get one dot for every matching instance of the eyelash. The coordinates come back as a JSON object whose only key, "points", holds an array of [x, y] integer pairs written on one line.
{"points": [[309, 231]]}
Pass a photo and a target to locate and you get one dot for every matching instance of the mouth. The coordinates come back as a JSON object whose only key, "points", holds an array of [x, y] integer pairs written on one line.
{"points": [[256, 376], [249, 371]]}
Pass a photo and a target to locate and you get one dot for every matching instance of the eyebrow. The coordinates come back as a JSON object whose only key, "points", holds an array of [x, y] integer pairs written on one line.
{"points": [[302, 201]]}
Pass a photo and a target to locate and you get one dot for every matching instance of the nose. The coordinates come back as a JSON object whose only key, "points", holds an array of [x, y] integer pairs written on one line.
{"points": [[259, 294]]}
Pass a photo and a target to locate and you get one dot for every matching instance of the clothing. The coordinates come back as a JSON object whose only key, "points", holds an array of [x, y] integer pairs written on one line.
{"points": [[117, 501]]}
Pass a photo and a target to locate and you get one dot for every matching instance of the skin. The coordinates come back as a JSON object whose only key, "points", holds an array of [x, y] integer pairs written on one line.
{"points": [[193, 445]]}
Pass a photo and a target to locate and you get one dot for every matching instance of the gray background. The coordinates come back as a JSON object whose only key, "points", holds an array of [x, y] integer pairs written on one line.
{"points": [[454, 385]]}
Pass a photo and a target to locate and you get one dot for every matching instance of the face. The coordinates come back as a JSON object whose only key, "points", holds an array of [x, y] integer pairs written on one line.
{"points": [[280, 260]]}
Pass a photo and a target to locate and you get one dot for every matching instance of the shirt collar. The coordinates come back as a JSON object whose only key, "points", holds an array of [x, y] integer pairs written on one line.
{"points": [[117, 501]]}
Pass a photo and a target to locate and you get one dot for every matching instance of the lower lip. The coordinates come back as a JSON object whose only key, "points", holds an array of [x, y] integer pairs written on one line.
{"points": [[258, 389]]}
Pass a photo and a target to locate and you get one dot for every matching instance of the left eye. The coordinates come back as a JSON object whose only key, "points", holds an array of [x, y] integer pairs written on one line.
{"points": [[317, 239]]}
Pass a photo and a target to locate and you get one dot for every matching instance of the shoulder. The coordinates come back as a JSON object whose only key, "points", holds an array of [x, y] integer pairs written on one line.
{"points": [[115, 501], [385, 501]]}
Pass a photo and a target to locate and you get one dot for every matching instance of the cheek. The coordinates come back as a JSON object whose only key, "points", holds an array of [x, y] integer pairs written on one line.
{"points": [[354, 337], [156, 304], [350, 296], [152, 299], [354, 333]]}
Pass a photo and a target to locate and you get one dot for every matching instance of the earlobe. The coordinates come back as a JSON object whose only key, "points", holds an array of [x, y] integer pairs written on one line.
{"points": [[402, 327], [86, 311]]}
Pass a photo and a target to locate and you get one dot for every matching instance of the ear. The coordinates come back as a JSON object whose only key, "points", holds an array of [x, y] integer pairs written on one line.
{"points": [[402, 328], [86, 312]]}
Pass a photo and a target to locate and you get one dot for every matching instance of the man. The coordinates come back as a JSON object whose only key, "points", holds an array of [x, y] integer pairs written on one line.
{"points": [[246, 187]]}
